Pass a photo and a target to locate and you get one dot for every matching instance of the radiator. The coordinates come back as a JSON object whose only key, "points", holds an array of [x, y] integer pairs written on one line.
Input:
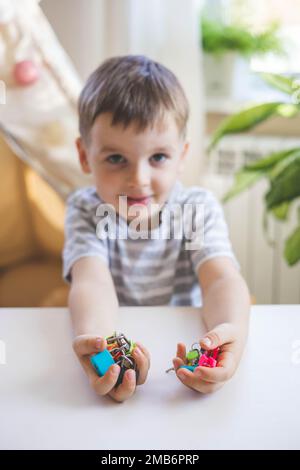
{"points": [[270, 279]]}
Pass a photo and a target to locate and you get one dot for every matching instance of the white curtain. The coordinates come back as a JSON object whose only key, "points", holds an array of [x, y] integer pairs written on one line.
{"points": [[166, 31]]}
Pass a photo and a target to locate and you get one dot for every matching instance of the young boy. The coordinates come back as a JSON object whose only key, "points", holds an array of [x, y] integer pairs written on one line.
{"points": [[132, 117]]}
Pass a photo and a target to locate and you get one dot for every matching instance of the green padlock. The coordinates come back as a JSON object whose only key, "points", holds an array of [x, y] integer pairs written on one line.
{"points": [[192, 355]]}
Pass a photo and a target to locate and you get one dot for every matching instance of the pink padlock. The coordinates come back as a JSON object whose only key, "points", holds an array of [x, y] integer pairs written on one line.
{"points": [[207, 361], [209, 358]]}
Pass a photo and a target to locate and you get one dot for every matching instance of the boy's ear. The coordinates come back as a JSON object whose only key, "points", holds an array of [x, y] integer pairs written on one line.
{"points": [[82, 155], [183, 155]]}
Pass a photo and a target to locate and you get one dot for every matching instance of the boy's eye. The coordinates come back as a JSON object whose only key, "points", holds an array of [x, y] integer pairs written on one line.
{"points": [[159, 157], [114, 159]]}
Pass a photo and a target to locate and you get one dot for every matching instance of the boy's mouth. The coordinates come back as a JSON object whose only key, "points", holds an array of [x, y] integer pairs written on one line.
{"points": [[144, 200]]}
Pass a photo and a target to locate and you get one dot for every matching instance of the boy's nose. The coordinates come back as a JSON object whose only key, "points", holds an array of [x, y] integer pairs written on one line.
{"points": [[139, 177]]}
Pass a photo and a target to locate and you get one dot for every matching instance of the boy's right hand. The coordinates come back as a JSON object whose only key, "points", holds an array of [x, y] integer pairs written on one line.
{"points": [[87, 345]]}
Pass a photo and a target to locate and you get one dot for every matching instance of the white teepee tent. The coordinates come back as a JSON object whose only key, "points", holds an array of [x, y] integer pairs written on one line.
{"points": [[38, 115]]}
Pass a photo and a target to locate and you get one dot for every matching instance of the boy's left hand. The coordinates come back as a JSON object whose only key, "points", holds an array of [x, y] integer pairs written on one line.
{"points": [[231, 341]]}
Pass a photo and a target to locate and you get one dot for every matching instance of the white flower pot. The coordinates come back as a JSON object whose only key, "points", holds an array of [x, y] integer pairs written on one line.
{"points": [[219, 72]]}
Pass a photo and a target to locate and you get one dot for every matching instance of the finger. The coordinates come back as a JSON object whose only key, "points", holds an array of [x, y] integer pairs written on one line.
{"points": [[209, 388], [181, 351], [211, 375], [142, 364], [196, 374], [190, 379], [126, 388], [221, 334], [186, 377], [144, 351], [177, 362], [103, 385], [87, 344]]}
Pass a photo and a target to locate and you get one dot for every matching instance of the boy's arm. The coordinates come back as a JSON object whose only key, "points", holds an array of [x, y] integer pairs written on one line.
{"points": [[225, 295], [93, 305], [225, 312], [92, 300]]}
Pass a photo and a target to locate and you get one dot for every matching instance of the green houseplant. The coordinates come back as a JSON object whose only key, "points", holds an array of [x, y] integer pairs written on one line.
{"points": [[281, 169], [227, 47], [218, 38]]}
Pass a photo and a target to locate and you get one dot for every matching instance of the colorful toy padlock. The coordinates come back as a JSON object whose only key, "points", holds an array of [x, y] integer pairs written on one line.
{"points": [[198, 356], [119, 351]]}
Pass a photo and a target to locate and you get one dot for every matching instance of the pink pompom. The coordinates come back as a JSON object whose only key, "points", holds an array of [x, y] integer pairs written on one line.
{"points": [[26, 72]]}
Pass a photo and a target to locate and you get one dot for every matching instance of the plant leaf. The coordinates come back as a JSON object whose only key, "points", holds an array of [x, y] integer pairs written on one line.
{"points": [[281, 212], [284, 84], [279, 168], [268, 162], [243, 180], [268, 239], [288, 110], [244, 121], [286, 186], [292, 247]]}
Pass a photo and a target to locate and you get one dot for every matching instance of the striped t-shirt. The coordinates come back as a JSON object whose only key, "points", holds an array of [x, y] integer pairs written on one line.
{"points": [[160, 269]]}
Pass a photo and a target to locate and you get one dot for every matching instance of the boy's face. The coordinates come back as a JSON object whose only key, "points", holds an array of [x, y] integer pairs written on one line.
{"points": [[141, 165]]}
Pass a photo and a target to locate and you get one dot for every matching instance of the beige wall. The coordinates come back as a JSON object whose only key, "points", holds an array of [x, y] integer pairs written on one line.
{"points": [[79, 25]]}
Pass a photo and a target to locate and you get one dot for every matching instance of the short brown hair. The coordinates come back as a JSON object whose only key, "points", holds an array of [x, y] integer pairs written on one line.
{"points": [[135, 89]]}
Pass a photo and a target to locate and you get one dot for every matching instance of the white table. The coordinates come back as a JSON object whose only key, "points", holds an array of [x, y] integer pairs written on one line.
{"points": [[46, 402]]}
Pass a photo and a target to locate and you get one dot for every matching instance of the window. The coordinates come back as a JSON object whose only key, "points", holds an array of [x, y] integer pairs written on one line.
{"points": [[243, 85], [259, 14]]}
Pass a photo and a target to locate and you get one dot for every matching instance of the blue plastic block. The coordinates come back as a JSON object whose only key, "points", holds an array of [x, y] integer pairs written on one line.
{"points": [[102, 362], [192, 368]]}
